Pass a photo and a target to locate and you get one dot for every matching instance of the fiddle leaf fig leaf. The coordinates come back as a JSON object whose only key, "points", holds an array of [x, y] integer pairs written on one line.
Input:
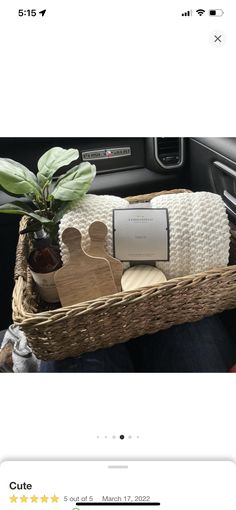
{"points": [[64, 207], [50, 198], [8, 193], [75, 183], [22, 209], [52, 160], [16, 178]]}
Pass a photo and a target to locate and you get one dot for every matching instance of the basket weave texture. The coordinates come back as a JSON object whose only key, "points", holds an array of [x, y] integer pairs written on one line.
{"points": [[70, 331]]}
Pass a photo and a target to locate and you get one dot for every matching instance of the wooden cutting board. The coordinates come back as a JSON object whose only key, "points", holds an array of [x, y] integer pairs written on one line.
{"points": [[83, 277], [98, 233]]}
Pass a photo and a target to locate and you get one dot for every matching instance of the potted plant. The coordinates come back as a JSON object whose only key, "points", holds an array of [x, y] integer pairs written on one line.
{"points": [[49, 198], [46, 200]]}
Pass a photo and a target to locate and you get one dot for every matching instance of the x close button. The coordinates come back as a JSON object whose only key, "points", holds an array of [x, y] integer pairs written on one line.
{"points": [[217, 39]]}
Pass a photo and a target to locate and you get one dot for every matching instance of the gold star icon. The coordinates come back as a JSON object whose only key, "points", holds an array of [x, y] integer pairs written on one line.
{"points": [[23, 499], [13, 499], [54, 499], [34, 499], [44, 499]]}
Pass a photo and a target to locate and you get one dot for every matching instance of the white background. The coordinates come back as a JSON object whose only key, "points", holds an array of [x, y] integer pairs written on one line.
{"points": [[125, 68], [176, 416], [116, 68]]}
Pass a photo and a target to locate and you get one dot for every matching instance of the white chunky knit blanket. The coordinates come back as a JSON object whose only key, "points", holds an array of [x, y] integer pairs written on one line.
{"points": [[198, 231], [91, 208]]}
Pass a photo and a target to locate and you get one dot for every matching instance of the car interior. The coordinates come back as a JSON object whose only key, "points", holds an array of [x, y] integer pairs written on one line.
{"points": [[126, 167]]}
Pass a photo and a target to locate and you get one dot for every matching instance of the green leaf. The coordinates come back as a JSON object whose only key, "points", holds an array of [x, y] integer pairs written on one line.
{"points": [[16, 178], [52, 160], [8, 193], [75, 183], [61, 211], [21, 209], [32, 226]]}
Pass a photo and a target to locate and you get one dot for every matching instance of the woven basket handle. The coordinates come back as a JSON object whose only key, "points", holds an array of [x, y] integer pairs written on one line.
{"points": [[149, 196], [22, 251]]}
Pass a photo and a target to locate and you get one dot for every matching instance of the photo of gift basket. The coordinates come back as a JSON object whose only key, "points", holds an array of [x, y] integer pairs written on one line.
{"points": [[70, 312]]}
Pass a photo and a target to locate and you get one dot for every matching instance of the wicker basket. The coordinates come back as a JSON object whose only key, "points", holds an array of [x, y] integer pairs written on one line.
{"points": [[71, 331]]}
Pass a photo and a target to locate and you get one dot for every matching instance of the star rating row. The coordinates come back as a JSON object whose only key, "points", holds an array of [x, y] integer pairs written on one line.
{"points": [[34, 499]]}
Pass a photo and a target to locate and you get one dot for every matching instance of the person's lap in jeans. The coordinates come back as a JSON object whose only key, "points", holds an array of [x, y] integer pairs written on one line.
{"points": [[114, 359], [203, 346]]}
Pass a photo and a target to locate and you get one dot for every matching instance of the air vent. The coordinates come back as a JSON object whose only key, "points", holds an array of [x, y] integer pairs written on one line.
{"points": [[169, 152]]}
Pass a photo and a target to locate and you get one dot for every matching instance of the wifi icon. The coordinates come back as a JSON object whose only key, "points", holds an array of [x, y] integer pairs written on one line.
{"points": [[200, 12]]}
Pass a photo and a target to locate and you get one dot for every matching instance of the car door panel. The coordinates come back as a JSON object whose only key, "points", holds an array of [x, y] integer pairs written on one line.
{"points": [[213, 168]]}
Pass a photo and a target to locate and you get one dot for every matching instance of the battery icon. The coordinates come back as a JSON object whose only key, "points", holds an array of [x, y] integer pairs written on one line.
{"points": [[216, 12]]}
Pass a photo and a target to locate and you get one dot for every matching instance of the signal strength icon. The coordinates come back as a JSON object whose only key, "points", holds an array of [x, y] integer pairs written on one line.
{"points": [[187, 13], [200, 12]]}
